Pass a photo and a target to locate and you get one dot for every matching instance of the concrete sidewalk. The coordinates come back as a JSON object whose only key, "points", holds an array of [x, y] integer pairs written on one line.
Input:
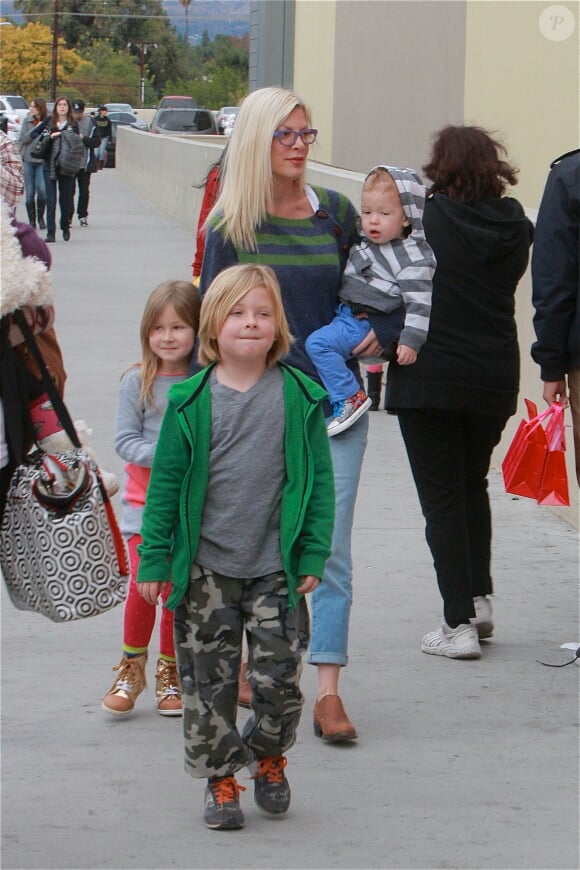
{"points": [[458, 764]]}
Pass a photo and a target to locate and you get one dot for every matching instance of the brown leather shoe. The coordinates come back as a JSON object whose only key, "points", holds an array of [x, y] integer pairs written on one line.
{"points": [[331, 722], [244, 688]]}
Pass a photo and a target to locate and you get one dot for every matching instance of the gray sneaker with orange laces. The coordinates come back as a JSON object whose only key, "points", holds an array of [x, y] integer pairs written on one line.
{"points": [[222, 804], [271, 788]]}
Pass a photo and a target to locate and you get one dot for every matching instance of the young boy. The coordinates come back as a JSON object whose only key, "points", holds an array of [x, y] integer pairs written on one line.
{"points": [[386, 286], [240, 513]]}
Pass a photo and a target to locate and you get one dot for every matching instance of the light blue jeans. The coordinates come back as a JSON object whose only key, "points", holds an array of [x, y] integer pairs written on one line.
{"points": [[331, 601]]}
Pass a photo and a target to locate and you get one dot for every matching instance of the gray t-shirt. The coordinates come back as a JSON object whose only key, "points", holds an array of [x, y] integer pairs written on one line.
{"points": [[240, 529]]}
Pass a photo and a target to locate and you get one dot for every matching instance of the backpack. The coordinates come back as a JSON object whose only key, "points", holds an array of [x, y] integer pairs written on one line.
{"points": [[71, 154]]}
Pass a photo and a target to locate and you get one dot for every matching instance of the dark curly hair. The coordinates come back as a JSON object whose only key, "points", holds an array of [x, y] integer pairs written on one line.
{"points": [[466, 164]]}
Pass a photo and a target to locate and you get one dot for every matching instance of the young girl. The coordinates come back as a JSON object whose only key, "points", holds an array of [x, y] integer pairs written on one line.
{"points": [[240, 515], [168, 331]]}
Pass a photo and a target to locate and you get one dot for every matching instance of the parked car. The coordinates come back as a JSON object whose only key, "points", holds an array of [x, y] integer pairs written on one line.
{"points": [[224, 113], [14, 108], [229, 124], [123, 119], [131, 118], [183, 122], [119, 107], [177, 102]]}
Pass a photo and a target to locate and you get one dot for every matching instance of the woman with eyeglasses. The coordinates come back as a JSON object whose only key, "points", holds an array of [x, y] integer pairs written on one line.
{"points": [[266, 213]]}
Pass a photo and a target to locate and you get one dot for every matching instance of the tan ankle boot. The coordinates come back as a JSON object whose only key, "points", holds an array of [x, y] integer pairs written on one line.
{"points": [[130, 682], [331, 722], [167, 689]]}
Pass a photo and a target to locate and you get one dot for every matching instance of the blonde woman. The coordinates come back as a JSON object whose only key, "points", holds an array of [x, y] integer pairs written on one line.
{"points": [[267, 214]]}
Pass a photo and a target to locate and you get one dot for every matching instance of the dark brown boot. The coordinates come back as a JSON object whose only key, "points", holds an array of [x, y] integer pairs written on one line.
{"points": [[374, 385], [331, 722]]}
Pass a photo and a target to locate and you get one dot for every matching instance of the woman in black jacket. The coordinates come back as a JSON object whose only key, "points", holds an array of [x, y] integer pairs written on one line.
{"points": [[63, 163], [454, 402]]}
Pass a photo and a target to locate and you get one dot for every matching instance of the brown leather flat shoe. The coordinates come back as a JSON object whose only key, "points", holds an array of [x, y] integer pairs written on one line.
{"points": [[331, 722], [244, 688]]}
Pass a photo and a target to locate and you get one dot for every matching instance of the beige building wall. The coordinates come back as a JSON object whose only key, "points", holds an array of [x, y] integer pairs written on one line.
{"points": [[523, 82], [394, 74], [314, 68]]}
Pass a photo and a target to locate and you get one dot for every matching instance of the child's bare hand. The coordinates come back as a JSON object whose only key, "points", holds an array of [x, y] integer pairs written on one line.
{"points": [[406, 356], [150, 591], [309, 584]]}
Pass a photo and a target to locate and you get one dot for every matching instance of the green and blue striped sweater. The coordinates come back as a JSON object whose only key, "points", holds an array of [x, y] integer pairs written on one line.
{"points": [[308, 256]]}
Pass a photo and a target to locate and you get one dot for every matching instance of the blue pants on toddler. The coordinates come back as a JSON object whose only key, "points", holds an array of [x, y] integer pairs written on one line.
{"points": [[331, 346]]}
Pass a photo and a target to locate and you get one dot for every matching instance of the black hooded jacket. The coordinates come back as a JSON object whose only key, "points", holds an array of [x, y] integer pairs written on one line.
{"points": [[470, 361]]}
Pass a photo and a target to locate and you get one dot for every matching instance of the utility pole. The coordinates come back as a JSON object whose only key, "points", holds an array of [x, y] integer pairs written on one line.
{"points": [[54, 66]]}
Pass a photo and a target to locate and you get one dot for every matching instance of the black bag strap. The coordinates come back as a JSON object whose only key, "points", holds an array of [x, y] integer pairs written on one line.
{"points": [[53, 394]]}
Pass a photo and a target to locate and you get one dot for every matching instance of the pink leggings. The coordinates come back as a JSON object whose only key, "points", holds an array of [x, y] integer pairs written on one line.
{"points": [[139, 618]]}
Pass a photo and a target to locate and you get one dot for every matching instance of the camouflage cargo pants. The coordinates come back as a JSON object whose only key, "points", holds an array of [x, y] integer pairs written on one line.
{"points": [[209, 625]]}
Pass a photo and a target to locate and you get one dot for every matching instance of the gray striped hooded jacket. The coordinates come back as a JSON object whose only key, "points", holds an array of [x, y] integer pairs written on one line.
{"points": [[399, 273]]}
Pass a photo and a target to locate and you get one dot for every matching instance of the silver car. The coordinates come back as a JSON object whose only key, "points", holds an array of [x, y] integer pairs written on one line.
{"points": [[183, 122]]}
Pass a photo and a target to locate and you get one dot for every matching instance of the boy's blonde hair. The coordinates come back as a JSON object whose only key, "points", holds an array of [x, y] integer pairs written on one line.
{"points": [[224, 292], [185, 299], [247, 182]]}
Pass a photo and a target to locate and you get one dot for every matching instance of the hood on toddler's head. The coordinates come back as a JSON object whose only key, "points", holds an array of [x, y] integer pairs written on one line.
{"points": [[411, 193]]}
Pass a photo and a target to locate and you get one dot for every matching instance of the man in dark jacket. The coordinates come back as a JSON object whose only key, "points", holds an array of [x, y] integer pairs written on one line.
{"points": [[91, 140], [556, 288], [105, 131]]}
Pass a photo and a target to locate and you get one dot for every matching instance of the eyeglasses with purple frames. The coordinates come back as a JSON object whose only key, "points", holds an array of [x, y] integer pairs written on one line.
{"points": [[289, 137]]}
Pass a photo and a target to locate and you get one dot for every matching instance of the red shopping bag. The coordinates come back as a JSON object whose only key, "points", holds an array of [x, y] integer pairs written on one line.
{"points": [[523, 465], [554, 483]]}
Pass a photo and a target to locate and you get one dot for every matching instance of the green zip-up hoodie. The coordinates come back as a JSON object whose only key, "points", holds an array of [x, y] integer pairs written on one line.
{"points": [[177, 489]]}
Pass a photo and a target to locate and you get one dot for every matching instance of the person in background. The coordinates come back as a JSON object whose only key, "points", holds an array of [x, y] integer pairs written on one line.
{"points": [[168, 330], [268, 215], [105, 131], [454, 402], [239, 515], [556, 289], [62, 174], [211, 187], [91, 140], [34, 175], [25, 286]]}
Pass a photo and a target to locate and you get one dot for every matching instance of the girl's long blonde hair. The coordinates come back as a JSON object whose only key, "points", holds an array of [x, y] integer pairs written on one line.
{"points": [[247, 187], [185, 299], [224, 292]]}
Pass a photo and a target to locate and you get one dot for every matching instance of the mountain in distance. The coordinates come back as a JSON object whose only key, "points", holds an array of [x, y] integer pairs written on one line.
{"points": [[229, 17]]}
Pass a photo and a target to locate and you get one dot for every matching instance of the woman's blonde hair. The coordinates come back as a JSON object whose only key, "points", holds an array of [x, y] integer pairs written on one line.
{"points": [[247, 186], [185, 299], [224, 292]]}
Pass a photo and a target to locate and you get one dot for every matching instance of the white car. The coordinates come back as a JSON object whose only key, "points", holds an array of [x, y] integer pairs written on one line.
{"points": [[224, 113], [15, 109], [120, 107], [229, 124]]}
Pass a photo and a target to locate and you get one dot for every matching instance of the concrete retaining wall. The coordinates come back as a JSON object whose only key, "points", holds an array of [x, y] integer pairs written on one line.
{"points": [[166, 170]]}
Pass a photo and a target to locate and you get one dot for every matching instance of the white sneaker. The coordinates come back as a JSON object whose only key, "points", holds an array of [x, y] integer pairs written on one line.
{"points": [[483, 620], [455, 643]]}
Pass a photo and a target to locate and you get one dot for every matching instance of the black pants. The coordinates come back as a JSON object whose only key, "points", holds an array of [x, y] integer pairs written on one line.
{"points": [[84, 182], [450, 454], [65, 185], [50, 200]]}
